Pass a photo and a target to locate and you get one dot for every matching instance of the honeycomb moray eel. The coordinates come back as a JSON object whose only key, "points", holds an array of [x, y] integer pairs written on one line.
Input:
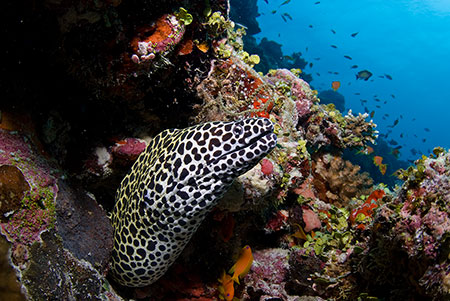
{"points": [[171, 187]]}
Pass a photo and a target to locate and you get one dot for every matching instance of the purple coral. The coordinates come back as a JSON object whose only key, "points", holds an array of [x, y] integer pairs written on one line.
{"points": [[267, 274]]}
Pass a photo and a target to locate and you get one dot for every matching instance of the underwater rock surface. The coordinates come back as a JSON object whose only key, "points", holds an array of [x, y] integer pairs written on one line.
{"points": [[53, 248]]}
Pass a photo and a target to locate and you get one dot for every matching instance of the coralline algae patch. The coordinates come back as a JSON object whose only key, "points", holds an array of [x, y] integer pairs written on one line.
{"points": [[157, 39], [35, 210]]}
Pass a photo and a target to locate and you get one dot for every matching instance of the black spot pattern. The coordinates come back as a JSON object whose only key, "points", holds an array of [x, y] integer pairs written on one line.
{"points": [[159, 203]]}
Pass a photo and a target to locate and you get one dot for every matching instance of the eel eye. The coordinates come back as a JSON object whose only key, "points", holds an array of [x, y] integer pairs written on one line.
{"points": [[238, 130]]}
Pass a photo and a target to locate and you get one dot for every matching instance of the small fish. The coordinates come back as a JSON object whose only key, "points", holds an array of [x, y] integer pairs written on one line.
{"points": [[385, 102], [284, 18], [363, 100], [388, 76], [335, 72], [354, 67], [426, 129], [392, 95], [381, 76], [285, 2], [424, 140], [377, 161], [318, 2], [267, 1], [243, 264], [335, 85], [273, 12], [317, 58], [288, 57], [372, 114], [310, 65], [366, 151], [354, 34], [310, 26], [203, 47], [356, 93], [366, 110], [363, 74], [333, 46], [306, 49], [287, 16], [226, 287], [414, 151], [333, 31], [401, 135], [377, 99], [317, 73], [395, 122], [300, 233], [383, 168], [378, 107], [393, 142], [347, 57]]}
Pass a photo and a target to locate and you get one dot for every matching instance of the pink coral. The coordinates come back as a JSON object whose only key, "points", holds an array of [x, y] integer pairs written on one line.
{"points": [[303, 107], [266, 167], [311, 220], [129, 147]]}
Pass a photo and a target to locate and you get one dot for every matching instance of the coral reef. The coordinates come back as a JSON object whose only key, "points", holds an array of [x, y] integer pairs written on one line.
{"points": [[338, 181], [267, 277], [410, 244]]}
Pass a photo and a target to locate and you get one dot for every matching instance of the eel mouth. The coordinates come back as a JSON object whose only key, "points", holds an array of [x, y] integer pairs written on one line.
{"points": [[253, 141]]}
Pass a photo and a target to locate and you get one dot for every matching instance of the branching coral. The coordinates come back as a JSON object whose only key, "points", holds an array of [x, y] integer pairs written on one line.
{"points": [[357, 131], [338, 181]]}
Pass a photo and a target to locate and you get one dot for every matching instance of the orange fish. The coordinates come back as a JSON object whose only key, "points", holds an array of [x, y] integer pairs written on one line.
{"points": [[335, 85], [383, 168], [367, 151], [243, 264], [203, 47], [226, 287], [377, 160]]}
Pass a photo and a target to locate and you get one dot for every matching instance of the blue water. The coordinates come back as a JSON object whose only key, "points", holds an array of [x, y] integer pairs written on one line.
{"points": [[408, 40]]}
